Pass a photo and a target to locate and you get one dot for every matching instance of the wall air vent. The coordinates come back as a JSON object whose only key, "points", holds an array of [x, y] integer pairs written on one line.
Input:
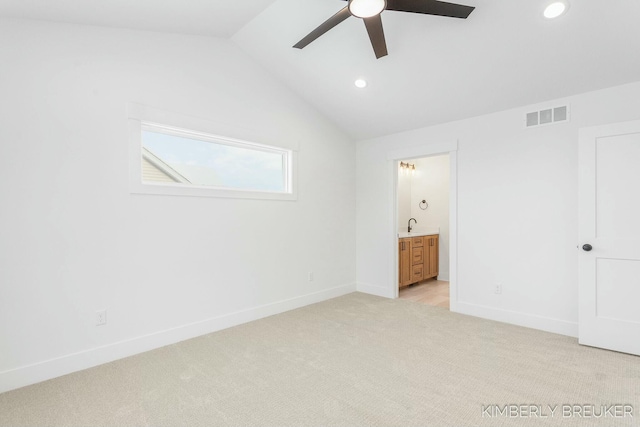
{"points": [[547, 116]]}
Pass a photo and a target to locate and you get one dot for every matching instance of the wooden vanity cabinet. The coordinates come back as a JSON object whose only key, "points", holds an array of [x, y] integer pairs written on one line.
{"points": [[418, 259]]}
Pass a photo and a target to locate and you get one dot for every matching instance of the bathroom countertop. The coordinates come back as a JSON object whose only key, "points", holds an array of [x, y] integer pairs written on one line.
{"points": [[418, 233]]}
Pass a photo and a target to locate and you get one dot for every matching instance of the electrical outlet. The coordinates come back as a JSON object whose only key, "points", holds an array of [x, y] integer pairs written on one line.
{"points": [[101, 317], [498, 289], [311, 276]]}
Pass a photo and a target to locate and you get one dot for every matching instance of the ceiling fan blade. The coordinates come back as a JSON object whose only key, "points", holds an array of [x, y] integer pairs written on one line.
{"points": [[431, 7], [324, 27], [376, 35]]}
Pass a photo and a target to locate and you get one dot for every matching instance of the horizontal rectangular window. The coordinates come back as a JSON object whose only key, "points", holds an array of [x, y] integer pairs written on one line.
{"points": [[177, 161], [184, 158]]}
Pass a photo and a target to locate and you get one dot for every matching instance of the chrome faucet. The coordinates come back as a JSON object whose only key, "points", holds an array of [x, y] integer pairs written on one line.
{"points": [[409, 227]]}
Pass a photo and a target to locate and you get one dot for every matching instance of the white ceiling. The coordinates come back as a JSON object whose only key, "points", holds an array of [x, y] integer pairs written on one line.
{"points": [[438, 69], [201, 17]]}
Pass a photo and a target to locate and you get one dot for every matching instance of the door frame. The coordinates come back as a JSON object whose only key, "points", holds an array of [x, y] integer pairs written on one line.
{"points": [[427, 150]]}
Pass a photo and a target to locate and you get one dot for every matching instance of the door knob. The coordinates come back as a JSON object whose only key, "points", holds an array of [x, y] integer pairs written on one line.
{"points": [[587, 247]]}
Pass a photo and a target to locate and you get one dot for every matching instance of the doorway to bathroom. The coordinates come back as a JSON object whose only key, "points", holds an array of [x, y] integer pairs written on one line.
{"points": [[423, 229]]}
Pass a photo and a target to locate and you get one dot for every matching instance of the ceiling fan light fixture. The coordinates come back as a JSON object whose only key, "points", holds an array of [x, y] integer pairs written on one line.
{"points": [[366, 8], [555, 9]]}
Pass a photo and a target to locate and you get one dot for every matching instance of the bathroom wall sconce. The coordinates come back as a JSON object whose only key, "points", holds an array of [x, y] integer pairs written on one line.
{"points": [[406, 167]]}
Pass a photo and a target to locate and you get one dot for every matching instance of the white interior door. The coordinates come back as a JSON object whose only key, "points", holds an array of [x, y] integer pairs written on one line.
{"points": [[609, 261]]}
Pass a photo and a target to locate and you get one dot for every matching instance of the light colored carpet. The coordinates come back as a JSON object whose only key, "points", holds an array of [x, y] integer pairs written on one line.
{"points": [[356, 360]]}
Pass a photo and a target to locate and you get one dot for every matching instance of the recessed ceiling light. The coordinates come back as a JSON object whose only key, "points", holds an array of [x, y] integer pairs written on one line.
{"points": [[555, 9], [361, 83]]}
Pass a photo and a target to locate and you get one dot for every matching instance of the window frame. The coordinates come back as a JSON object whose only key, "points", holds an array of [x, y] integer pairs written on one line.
{"points": [[144, 118]]}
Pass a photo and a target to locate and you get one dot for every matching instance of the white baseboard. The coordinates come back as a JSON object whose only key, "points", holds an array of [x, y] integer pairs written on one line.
{"points": [[375, 290], [443, 276], [48, 369], [547, 324]]}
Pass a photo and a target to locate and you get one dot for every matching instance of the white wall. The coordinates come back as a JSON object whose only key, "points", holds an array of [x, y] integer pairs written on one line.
{"points": [[73, 240], [430, 182], [517, 208]]}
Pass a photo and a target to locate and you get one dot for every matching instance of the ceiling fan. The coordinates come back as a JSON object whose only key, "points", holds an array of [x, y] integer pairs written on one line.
{"points": [[369, 11]]}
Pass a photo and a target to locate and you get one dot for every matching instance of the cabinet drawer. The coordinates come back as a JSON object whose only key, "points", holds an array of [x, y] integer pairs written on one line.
{"points": [[417, 241], [417, 255], [416, 273]]}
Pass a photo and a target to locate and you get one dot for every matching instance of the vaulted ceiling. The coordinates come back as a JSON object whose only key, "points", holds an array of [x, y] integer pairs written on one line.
{"points": [[506, 54]]}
